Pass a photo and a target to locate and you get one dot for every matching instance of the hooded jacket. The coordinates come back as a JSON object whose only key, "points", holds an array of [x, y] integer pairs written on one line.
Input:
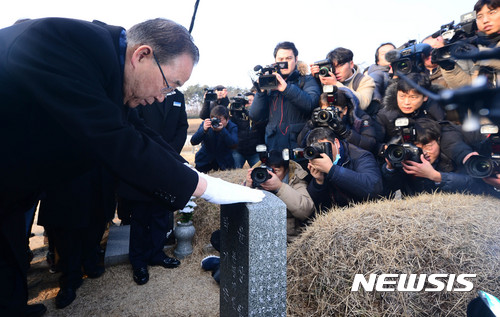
{"points": [[387, 116], [287, 111]]}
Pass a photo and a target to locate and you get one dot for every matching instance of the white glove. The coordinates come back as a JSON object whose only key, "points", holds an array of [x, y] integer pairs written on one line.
{"points": [[221, 192]]}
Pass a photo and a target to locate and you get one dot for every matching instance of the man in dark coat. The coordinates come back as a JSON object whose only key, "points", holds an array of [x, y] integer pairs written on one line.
{"points": [[288, 107], [350, 175], [64, 85]]}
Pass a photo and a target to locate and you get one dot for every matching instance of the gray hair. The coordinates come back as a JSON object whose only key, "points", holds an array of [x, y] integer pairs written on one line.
{"points": [[167, 38]]}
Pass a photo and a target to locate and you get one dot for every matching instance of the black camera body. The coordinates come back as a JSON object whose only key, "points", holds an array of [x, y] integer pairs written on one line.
{"points": [[211, 95], [409, 58], [261, 174], [325, 66], [267, 76], [215, 122], [316, 149], [488, 163], [328, 117], [405, 150], [458, 38], [237, 107]]}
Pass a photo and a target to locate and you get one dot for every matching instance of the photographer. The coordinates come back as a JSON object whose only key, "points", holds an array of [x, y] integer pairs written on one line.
{"points": [[287, 180], [488, 27], [349, 175], [402, 100], [348, 121], [345, 74], [218, 136], [380, 71], [210, 102], [289, 105], [435, 171], [250, 133]]}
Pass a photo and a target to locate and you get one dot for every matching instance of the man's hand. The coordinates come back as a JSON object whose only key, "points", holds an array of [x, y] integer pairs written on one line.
{"points": [[424, 169], [282, 83], [207, 124], [318, 176], [221, 192], [328, 80], [248, 179], [493, 180], [323, 163], [273, 184]]}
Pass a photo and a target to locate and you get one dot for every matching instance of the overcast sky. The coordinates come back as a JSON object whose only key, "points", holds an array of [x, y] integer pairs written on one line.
{"points": [[235, 35]]}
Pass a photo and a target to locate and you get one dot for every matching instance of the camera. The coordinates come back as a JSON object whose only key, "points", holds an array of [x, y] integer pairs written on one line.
{"points": [[457, 38], [261, 174], [211, 95], [215, 122], [328, 117], [314, 150], [487, 164], [325, 66], [237, 107], [406, 150], [267, 76], [409, 58]]}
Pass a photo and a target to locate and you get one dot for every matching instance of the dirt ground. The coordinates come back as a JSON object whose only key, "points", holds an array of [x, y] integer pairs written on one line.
{"points": [[184, 291]]}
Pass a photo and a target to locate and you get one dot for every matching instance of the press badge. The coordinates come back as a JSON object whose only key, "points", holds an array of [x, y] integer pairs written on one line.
{"points": [[177, 104]]}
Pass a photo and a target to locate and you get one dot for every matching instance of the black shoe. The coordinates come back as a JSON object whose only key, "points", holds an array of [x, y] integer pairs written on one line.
{"points": [[168, 263], [34, 310], [65, 297], [141, 275]]}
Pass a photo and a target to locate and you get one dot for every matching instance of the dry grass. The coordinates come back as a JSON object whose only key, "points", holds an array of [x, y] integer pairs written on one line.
{"points": [[425, 234], [453, 234]]}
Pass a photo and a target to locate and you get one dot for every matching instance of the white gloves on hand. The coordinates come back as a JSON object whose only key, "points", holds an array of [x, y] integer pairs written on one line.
{"points": [[221, 192]]}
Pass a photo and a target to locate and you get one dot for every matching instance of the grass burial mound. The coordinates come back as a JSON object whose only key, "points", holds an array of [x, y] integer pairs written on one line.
{"points": [[427, 234]]}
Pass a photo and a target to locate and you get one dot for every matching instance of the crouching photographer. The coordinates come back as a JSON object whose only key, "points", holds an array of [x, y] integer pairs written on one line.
{"points": [[342, 172], [340, 111], [423, 167], [219, 137], [286, 179]]}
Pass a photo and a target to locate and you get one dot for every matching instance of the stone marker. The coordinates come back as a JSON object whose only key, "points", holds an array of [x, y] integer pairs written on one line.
{"points": [[117, 245], [253, 259]]}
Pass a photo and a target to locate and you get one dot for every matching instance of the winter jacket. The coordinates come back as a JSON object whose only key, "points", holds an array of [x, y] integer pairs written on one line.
{"points": [[387, 116], [365, 89], [452, 181], [287, 111], [250, 133], [356, 178], [458, 77], [380, 75], [216, 146]]}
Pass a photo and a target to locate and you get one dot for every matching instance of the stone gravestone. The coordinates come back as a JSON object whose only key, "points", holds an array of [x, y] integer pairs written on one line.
{"points": [[253, 258]]}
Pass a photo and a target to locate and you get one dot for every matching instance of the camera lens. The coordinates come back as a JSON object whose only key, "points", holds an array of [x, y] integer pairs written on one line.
{"points": [[395, 153], [404, 67], [311, 153], [323, 71], [324, 116], [259, 175]]}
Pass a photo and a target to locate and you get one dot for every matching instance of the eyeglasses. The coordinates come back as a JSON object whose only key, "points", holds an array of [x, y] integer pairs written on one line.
{"points": [[166, 91]]}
